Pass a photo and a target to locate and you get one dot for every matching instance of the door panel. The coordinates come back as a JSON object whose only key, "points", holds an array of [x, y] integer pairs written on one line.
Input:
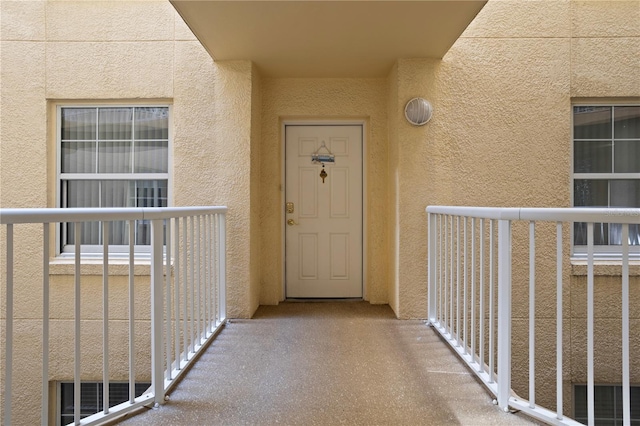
{"points": [[308, 192], [339, 256], [323, 241], [308, 257], [339, 200]]}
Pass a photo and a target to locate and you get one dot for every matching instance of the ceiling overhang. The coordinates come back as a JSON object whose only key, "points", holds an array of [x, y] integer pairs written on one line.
{"points": [[328, 38]]}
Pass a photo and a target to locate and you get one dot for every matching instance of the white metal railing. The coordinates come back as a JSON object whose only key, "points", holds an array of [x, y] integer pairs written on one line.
{"points": [[187, 298], [465, 305]]}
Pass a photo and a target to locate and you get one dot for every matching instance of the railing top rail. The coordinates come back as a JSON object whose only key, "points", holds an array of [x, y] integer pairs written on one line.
{"points": [[570, 214], [55, 215]]}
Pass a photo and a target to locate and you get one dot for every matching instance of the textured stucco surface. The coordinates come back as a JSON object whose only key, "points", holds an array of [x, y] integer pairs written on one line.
{"points": [[500, 135], [231, 177], [255, 180], [605, 49], [23, 119], [393, 108], [491, 93], [619, 19], [23, 20], [115, 52], [146, 21]]}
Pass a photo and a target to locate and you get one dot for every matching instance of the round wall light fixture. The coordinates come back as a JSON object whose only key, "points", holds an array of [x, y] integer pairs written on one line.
{"points": [[418, 111]]}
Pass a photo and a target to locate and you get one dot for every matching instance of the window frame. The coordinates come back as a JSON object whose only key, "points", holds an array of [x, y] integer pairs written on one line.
{"points": [[99, 388], [64, 250], [615, 387], [609, 251]]}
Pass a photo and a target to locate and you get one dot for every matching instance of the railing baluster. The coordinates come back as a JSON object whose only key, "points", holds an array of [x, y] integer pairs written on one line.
{"points": [[457, 280], [481, 313], [198, 281], [590, 373], [205, 251], [464, 305], [445, 284], [431, 270], [214, 253], [532, 314], [212, 266], [44, 415], [168, 322], [192, 320], [132, 335], [203, 279], [504, 314], [492, 369], [8, 373], [105, 317], [176, 292], [76, 372], [473, 289], [157, 382], [207, 276], [452, 260], [222, 265], [185, 290], [441, 273], [626, 397], [559, 321]]}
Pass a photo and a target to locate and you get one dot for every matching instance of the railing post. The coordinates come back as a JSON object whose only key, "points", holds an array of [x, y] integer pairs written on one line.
{"points": [[504, 313], [132, 333], [222, 266], [559, 322], [157, 358], [431, 293], [8, 374], [626, 372], [44, 414]]}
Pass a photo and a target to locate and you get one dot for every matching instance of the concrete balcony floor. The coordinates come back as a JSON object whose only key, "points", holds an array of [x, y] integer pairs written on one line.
{"points": [[328, 363]]}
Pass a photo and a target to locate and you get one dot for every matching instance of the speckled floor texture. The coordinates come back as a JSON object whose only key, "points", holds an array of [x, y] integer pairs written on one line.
{"points": [[327, 363]]}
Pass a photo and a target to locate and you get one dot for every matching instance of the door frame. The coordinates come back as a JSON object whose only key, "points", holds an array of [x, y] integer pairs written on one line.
{"points": [[363, 122]]}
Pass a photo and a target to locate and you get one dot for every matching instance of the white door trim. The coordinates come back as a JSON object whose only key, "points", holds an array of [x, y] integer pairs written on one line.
{"points": [[323, 122]]}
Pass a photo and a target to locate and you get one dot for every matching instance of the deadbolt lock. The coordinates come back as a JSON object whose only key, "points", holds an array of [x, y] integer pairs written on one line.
{"points": [[290, 208]]}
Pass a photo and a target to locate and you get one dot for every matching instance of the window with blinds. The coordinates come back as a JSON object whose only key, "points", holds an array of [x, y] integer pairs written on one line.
{"points": [[112, 157], [606, 170], [91, 398], [607, 404]]}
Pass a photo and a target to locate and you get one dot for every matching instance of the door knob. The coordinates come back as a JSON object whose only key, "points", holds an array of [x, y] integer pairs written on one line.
{"points": [[291, 222]]}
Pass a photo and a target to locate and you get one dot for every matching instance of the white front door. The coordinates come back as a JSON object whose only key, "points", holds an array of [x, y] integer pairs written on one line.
{"points": [[323, 217]]}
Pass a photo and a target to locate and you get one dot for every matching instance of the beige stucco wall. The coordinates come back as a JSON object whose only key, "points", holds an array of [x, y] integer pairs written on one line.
{"points": [[500, 135], [228, 176], [393, 230], [323, 99], [490, 96], [256, 179], [132, 53]]}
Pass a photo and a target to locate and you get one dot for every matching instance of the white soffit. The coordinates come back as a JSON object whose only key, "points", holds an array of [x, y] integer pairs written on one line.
{"points": [[327, 38]]}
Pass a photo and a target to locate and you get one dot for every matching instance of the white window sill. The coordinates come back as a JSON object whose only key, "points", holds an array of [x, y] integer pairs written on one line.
{"points": [[93, 265], [604, 267]]}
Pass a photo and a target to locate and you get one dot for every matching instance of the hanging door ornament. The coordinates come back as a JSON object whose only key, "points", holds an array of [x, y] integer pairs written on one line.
{"points": [[321, 158], [323, 174]]}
